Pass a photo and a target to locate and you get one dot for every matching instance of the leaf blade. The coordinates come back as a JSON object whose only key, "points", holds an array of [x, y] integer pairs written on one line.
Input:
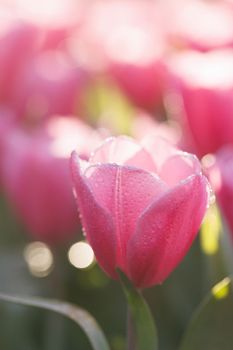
{"points": [[80, 316]]}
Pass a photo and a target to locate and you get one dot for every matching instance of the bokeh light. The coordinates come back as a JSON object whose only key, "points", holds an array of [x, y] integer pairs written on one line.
{"points": [[81, 255], [39, 259]]}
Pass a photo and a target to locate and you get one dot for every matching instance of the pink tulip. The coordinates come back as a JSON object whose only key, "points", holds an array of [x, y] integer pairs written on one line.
{"points": [[205, 83], [7, 121], [36, 176], [140, 210], [49, 85], [144, 127], [122, 39], [47, 13], [38, 78], [199, 25], [19, 42], [220, 175]]}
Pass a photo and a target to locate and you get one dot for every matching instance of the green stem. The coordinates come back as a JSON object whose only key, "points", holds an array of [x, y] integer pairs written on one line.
{"points": [[131, 345], [145, 330]]}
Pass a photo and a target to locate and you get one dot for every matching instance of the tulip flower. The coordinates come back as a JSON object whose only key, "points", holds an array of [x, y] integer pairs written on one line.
{"points": [[140, 211], [36, 176], [199, 25], [49, 85], [44, 81], [205, 83], [122, 39], [17, 40], [144, 127], [7, 121], [220, 170], [47, 14]]}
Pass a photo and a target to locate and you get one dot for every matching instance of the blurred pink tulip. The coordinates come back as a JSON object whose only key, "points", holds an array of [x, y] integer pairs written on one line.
{"points": [[197, 24], [122, 39], [140, 210], [46, 13], [220, 171], [18, 43], [38, 78], [144, 127], [49, 85], [205, 82], [36, 175], [7, 121]]}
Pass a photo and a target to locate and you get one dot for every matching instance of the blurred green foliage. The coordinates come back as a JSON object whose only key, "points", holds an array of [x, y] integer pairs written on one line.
{"points": [[211, 326]]}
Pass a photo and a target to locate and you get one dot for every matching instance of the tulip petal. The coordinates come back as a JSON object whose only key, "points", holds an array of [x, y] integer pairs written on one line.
{"points": [[123, 150], [179, 167], [96, 220], [160, 148], [124, 192], [165, 232]]}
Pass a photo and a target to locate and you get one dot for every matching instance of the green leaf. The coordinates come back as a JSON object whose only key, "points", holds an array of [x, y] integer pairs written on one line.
{"points": [[212, 325], [85, 321], [143, 322]]}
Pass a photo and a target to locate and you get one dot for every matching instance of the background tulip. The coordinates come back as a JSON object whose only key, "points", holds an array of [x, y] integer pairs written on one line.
{"points": [[7, 121], [140, 211], [108, 30], [49, 85], [36, 176], [205, 83], [220, 172], [214, 29], [44, 81], [144, 126], [17, 39]]}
